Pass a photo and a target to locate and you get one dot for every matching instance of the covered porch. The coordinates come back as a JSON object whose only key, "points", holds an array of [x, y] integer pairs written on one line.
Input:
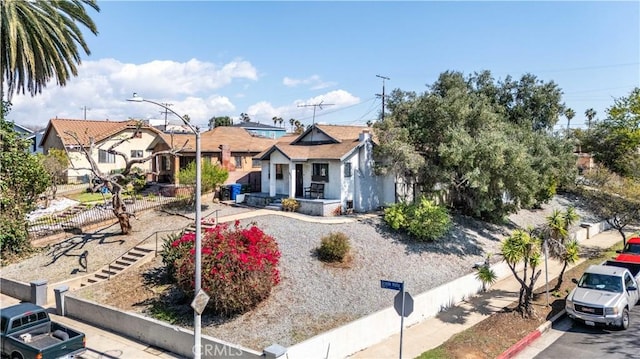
{"points": [[308, 206]]}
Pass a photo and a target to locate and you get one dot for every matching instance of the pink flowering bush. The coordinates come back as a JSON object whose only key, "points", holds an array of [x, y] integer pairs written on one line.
{"points": [[239, 266]]}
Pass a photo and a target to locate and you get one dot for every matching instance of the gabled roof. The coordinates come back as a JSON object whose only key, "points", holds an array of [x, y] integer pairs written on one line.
{"points": [[86, 129], [20, 128], [238, 139], [342, 141]]}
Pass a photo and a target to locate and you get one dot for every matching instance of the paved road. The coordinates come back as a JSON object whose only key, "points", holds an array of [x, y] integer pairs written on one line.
{"points": [[572, 340]]}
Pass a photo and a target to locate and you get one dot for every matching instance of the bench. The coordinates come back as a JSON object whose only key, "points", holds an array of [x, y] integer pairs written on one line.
{"points": [[316, 190]]}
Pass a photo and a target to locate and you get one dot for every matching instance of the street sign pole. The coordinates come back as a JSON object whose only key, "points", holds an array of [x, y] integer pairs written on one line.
{"points": [[402, 320]]}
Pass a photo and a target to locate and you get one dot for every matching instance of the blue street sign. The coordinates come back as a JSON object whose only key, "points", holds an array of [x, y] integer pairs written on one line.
{"points": [[387, 284]]}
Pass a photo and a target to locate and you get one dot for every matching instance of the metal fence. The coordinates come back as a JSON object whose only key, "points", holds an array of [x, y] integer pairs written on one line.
{"points": [[74, 218]]}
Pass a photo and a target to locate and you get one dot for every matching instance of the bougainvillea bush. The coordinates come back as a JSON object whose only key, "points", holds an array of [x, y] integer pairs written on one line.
{"points": [[239, 266]]}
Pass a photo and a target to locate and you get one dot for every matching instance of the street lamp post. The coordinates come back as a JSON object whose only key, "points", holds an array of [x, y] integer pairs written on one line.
{"points": [[197, 319]]}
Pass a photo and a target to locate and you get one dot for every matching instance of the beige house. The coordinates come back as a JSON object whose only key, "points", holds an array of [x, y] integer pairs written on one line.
{"points": [[231, 147], [104, 134]]}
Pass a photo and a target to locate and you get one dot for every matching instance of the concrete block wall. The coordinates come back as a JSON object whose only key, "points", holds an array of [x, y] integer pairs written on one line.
{"points": [[16, 289], [153, 332]]}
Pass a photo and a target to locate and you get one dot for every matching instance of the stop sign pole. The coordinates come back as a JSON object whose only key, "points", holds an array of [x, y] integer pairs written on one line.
{"points": [[385, 284]]}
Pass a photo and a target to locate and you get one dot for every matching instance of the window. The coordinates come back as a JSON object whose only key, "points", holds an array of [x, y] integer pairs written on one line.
{"points": [[106, 157], [347, 169], [164, 163], [278, 171], [136, 153], [238, 161], [320, 172], [256, 163]]}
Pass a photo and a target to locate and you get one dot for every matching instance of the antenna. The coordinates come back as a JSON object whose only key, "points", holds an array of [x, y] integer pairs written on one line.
{"points": [[383, 80], [318, 105]]}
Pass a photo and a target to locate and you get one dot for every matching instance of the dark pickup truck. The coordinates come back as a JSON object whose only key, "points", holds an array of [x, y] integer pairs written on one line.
{"points": [[27, 332]]}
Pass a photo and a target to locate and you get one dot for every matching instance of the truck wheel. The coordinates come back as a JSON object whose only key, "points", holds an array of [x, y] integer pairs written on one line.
{"points": [[625, 319], [16, 356]]}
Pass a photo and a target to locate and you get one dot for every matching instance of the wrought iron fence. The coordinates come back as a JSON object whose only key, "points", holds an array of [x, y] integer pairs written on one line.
{"points": [[74, 218]]}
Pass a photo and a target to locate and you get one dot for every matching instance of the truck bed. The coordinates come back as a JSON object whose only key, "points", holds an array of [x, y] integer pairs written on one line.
{"points": [[634, 268], [42, 341]]}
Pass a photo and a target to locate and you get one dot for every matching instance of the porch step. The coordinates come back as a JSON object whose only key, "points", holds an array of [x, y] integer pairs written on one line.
{"points": [[274, 206]]}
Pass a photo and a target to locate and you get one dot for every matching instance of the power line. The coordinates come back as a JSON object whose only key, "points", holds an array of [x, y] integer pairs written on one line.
{"points": [[166, 112]]}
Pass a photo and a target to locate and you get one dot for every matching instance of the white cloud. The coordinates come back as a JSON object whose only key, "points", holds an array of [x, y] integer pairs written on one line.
{"points": [[104, 85], [314, 82], [264, 111]]}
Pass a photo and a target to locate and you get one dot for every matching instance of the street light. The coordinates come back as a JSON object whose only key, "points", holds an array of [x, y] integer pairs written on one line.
{"points": [[197, 319]]}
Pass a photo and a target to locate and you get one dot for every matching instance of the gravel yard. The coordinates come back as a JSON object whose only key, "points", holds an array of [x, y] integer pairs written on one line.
{"points": [[312, 297]]}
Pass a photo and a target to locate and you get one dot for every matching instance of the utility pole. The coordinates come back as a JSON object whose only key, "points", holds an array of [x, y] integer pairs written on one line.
{"points": [[382, 96], [84, 109], [315, 105], [166, 112]]}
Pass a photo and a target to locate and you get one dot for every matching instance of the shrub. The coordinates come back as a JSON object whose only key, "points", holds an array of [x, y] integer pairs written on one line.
{"points": [[290, 204], [171, 253], [334, 247], [239, 267], [424, 220]]}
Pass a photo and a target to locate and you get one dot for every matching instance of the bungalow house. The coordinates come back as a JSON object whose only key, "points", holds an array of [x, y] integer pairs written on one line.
{"points": [[104, 135], [34, 137], [231, 147], [327, 168]]}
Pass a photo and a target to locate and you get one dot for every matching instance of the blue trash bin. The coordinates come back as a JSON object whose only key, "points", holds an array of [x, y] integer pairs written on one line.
{"points": [[235, 190]]}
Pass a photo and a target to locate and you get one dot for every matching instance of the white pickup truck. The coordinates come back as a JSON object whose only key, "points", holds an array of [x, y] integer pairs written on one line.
{"points": [[605, 294]]}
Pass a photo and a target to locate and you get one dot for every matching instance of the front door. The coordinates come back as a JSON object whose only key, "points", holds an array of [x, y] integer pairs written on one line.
{"points": [[299, 179]]}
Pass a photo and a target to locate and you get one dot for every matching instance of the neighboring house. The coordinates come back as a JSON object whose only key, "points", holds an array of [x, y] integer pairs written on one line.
{"points": [[326, 163], [262, 130], [231, 147], [104, 135], [33, 137]]}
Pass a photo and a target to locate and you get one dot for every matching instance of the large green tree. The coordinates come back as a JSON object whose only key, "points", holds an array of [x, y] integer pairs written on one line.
{"points": [[40, 41], [487, 143], [615, 140], [22, 179]]}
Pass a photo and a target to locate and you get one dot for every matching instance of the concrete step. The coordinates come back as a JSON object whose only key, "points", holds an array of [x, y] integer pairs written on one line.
{"points": [[101, 276], [116, 267], [123, 263], [142, 249]]}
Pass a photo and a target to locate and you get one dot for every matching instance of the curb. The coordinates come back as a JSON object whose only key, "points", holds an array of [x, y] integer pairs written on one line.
{"points": [[530, 338]]}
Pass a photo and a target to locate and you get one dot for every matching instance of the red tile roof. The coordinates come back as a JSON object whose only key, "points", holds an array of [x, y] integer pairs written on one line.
{"points": [[86, 129]]}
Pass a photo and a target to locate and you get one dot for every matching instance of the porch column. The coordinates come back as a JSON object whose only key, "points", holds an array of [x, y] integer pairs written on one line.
{"points": [[175, 169], [272, 179], [292, 180]]}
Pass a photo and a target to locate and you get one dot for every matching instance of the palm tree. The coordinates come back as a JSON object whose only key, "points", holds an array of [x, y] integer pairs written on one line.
{"points": [[291, 122], [40, 42], [280, 121], [590, 113], [275, 120], [569, 114], [558, 225]]}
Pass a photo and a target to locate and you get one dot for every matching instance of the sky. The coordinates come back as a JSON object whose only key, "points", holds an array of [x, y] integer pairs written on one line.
{"points": [[268, 58]]}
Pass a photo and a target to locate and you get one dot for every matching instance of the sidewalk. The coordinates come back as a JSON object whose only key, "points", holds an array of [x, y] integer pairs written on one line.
{"points": [[432, 332]]}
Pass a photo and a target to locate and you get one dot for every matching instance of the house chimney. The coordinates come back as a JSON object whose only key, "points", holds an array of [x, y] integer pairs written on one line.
{"points": [[365, 135], [226, 157]]}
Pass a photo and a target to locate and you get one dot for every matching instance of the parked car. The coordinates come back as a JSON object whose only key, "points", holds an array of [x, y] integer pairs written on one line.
{"points": [[27, 332], [605, 294], [631, 251]]}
